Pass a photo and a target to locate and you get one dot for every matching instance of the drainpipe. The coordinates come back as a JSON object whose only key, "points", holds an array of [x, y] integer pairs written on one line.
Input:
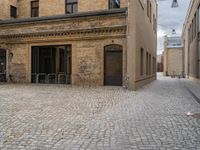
{"points": [[126, 53]]}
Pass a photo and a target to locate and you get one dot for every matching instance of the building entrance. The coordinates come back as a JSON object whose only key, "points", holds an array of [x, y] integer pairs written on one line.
{"points": [[113, 65], [51, 64], [2, 65]]}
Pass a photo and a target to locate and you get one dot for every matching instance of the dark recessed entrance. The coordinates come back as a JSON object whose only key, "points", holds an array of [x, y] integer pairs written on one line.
{"points": [[51, 64], [2, 65], [113, 65]]}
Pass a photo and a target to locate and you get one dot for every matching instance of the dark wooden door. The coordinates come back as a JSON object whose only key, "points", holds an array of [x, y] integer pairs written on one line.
{"points": [[113, 66], [2, 65]]}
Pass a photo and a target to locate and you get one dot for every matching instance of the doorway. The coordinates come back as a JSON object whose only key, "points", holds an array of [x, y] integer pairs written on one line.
{"points": [[113, 65], [2, 65], [51, 64]]}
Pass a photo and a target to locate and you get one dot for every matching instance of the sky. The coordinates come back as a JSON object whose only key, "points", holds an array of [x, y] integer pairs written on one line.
{"points": [[170, 18]]}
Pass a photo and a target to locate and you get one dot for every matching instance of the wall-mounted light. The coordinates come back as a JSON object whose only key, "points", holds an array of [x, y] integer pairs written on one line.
{"points": [[11, 55], [174, 4]]}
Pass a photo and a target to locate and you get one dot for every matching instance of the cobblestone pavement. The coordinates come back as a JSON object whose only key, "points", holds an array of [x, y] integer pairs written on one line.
{"points": [[61, 117]]}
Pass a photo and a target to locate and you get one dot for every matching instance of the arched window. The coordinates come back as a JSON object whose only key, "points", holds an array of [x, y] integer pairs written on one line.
{"points": [[114, 4]]}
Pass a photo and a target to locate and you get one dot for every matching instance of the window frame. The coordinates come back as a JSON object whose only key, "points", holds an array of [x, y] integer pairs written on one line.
{"points": [[147, 63], [150, 61], [150, 11], [72, 4], [148, 8], [198, 18], [13, 11], [34, 8], [141, 61], [110, 7]]}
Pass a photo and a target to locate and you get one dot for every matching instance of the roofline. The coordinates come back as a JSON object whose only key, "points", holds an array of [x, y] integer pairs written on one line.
{"points": [[66, 16], [174, 36], [174, 47], [187, 16]]}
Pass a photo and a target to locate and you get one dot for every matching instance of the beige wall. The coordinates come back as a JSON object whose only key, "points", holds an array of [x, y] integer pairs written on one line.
{"points": [[91, 5], [51, 7], [191, 49], [24, 9], [87, 48], [141, 35], [133, 30], [174, 62], [5, 8], [173, 58], [89, 53]]}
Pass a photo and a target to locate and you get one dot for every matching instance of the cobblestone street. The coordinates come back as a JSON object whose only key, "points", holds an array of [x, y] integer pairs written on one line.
{"points": [[63, 117]]}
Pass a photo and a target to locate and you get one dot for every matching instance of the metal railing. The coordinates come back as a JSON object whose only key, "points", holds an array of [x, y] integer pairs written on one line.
{"points": [[3, 77], [85, 80], [52, 78]]}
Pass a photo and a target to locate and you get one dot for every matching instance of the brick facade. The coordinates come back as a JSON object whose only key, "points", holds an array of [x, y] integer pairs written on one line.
{"points": [[173, 56], [190, 36], [88, 31]]}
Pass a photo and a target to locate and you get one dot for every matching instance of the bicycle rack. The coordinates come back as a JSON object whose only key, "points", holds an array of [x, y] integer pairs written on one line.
{"points": [[38, 77], [33, 80], [49, 78], [59, 78]]}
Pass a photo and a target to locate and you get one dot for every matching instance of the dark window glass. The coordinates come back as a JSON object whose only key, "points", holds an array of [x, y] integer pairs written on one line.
{"points": [[154, 65], [147, 63], [71, 6], [141, 61], [114, 4], [150, 7], [199, 18], [35, 8], [13, 11], [61, 60], [195, 27]]}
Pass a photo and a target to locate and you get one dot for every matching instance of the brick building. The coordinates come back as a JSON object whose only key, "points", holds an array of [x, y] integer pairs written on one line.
{"points": [[190, 36], [173, 55], [104, 42]]}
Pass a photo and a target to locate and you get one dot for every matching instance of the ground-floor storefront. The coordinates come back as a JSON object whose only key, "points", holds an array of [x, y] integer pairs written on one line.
{"points": [[97, 62], [83, 49]]}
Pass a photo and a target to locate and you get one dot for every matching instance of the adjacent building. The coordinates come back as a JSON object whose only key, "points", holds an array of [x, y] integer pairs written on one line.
{"points": [[104, 42], [173, 55], [190, 36]]}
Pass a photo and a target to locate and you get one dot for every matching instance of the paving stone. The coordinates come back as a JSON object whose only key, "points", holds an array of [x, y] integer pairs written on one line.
{"points": [[111, 118]]}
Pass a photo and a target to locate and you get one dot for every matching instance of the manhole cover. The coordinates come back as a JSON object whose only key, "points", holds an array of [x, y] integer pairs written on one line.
{"points": [[194, 115], [197, 116]]}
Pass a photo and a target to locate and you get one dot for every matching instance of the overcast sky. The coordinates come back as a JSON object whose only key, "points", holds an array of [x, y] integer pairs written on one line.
{"points": [[170, 18]]}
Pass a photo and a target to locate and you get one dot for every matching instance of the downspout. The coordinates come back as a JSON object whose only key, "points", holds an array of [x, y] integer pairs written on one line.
{"points": [[126, 53]]}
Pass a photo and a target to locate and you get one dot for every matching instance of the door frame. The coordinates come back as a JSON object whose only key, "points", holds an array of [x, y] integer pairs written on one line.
{"points": [[112, 48], [67, 47]]}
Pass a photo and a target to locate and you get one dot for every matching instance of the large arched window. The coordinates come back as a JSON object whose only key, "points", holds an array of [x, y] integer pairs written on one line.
{"points": [[114, 4]]}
